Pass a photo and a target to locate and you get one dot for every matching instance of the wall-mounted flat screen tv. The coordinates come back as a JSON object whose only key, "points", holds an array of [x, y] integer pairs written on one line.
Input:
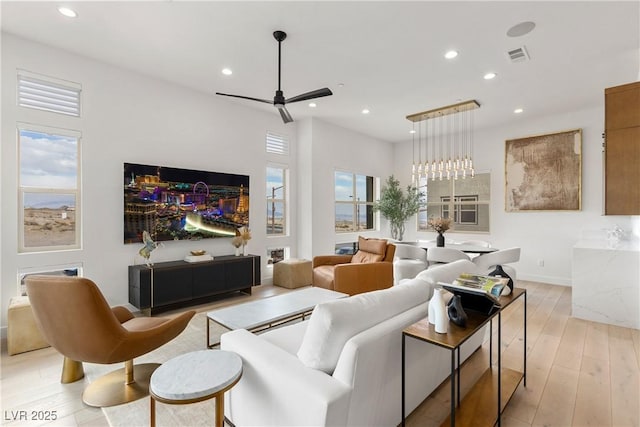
{"points": [[182, 204]]}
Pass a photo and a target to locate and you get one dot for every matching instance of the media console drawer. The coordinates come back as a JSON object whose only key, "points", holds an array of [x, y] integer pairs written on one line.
{"points": [[174, 284]]}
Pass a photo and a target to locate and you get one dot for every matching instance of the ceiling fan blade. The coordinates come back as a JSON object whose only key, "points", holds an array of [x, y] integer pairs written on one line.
{"points": [[246, 97], [318, 93], [286, 117]]}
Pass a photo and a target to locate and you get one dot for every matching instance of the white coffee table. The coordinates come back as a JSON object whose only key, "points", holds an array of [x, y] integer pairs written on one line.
{"points": [[268, 312], [194, 377]]}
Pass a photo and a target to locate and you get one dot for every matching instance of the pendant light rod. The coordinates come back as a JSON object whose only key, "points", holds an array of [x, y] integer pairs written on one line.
{"points": [[443, 111]]}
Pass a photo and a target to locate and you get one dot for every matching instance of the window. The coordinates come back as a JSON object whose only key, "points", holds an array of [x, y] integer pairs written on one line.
{"points": [[465, 201], [51, 270], [464, 213], [48, 94], [277, 144], [354, 202], [276, 200], [346, 248], [49, 188], [275, 255]]}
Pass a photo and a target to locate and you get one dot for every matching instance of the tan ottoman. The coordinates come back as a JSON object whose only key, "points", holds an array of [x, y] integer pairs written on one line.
{"points": [[292, 273], [22, 332]]}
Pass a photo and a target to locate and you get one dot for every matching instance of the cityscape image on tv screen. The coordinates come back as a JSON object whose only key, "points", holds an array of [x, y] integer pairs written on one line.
{"points": [[182, 204]]}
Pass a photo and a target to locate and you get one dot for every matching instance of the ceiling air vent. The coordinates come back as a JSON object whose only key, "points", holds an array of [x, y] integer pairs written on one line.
{"points": [[518, 55]]}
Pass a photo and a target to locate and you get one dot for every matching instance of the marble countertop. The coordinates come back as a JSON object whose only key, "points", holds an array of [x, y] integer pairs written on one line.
{"points": [[619, 245], [196, 375]]}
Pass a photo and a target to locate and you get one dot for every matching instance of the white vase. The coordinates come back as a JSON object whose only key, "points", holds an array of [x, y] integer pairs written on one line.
{"points": [[441, 319], [432, 308], [238, 251]]}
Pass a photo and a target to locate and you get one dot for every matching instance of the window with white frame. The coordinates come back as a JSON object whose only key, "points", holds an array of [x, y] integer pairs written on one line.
{"points": [[275, 255], [466, 201], [48, 188], [354, 202], [277, 144], [73, 269], [465, 210], [48, 93], [276, 200]]}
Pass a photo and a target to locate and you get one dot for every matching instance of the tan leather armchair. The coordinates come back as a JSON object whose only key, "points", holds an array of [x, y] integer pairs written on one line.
{"points": [[370, 269], [76, 320]]}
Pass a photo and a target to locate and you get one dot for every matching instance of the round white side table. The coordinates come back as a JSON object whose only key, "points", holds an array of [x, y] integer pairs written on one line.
{"points": [[194, 377]]}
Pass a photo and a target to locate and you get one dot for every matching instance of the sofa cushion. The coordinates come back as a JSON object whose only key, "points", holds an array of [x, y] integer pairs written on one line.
{"points": [[362, 257], [333, 323], [288, 337], [323, 276], [370, 250]]}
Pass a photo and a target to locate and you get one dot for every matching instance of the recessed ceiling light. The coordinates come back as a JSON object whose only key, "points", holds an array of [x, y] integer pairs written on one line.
{"points": [[412, 131], [521, 29], [518, 110], [365, 111], [312, 105], [70, 13], [451, 54], [227, 71], [490, 76]]}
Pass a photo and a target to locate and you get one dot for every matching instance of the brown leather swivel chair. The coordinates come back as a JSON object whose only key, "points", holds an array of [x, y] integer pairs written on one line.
{"points": [[76, 320], [370, 269]]}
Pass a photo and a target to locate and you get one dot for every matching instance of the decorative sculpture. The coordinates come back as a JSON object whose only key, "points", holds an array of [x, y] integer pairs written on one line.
{"points": [[149, 246]]}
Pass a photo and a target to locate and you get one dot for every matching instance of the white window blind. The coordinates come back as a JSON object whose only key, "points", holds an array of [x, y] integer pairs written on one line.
{"points": [[48, 94], [277, 144]]}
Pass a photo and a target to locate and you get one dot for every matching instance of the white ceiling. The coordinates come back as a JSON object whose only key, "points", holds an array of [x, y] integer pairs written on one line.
{"points": [[388, 55]]}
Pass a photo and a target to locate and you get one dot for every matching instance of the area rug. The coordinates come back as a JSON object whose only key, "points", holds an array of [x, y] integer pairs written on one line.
{"points": [[138, 413]]}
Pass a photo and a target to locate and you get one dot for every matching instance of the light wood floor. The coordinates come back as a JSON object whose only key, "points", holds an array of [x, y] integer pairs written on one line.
{"points": [[579, 373]]}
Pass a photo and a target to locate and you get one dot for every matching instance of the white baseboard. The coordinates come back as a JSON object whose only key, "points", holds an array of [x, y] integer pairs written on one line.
{"points": [[552, 280]]}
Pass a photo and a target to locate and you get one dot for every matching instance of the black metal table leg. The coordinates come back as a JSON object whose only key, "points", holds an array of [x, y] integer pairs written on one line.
{"points": [[499, 366], [453, 388], [458, 372], [403, 380], [525, 339]]}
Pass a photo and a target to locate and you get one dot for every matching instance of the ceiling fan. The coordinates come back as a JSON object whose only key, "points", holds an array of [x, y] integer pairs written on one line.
{"points": [[279, 100]]}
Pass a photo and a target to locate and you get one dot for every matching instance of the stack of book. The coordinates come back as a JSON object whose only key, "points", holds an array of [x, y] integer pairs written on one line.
{"points": [[478, 292]]}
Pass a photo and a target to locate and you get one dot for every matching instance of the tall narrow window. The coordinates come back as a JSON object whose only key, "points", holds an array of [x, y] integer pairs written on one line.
{"points": [[49, 189], [354, 202], [276, 200], [465, 201]]}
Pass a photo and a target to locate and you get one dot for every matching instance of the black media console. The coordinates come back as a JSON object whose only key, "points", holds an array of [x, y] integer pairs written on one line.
{"points": [[175, 284]]}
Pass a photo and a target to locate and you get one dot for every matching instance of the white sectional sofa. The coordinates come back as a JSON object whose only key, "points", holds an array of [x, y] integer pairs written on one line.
{"points": [[342, 367]]}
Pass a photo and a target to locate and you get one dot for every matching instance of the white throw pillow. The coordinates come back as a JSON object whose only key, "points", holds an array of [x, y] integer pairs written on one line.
{"points": [[333, 323]]}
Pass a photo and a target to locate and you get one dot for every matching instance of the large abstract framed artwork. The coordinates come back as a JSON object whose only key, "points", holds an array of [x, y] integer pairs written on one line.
{"points": [[544, 172]]}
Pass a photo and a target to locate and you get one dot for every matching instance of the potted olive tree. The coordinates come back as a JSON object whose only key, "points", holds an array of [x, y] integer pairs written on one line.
{"points": [[397, 206]]}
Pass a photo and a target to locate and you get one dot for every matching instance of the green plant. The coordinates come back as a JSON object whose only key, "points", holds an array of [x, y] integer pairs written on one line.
{"points": [[397, 206]]}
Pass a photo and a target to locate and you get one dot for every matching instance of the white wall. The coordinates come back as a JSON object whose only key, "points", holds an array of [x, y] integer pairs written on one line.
{"points": [[547, 236], [128, 117]]}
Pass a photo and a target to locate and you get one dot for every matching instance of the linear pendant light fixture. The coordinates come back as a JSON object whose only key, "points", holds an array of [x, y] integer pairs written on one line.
{"points": [[446, 134]]}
